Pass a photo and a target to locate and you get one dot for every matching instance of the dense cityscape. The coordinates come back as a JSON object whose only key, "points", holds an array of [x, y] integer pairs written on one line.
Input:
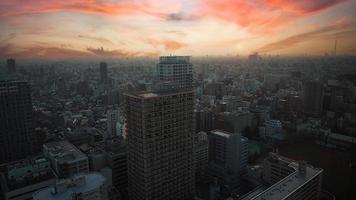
{"points": [[179, 128], [177, 99]]}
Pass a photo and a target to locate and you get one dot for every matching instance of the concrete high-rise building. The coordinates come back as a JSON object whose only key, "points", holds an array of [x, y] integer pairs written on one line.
{"points": [[11, 65], [66, 159], [288, 179], [313, 97], [103, 72], [201, 151], [20, 179], [17, 139], [90, 186], [112, 115], [177, 70], [228, 155], [160, 144]]}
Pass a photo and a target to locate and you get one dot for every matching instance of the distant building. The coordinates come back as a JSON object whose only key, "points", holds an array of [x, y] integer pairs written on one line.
{"points": [[110, 159], [11, 65], [160, 144], [16, 121], [289, 180], [66, 159], [177, 70], [236, 121], [228, 155], [112, 115], [313, 97], [116, 157], [103, 72], [204, 120], [22, 178], [273, 129], [201, 151], [90, 186]]}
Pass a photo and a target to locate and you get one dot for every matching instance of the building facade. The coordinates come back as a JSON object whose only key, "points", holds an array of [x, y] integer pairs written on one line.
{"points": [[177, 70], [21, 179], [66, 159], [289, 180], [228, 155], [17, 139], [160, 144]]}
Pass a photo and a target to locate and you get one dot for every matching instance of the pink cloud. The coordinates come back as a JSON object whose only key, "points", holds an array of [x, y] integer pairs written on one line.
{"points": [[263, 16]]}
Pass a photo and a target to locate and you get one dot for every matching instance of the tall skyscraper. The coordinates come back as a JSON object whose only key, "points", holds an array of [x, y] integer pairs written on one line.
{"points": [[103, 72], [177, 70], [313, 97], [11, 65], [160, 142], [16, 128]]}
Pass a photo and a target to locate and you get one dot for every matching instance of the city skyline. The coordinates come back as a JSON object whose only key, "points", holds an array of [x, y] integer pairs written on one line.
{"points": [[142, 28]]}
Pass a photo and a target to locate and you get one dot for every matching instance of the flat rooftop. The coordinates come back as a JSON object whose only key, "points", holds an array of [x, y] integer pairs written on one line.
{"points": [[221, 133], [155, 94], [92, 181], [174, 59], [63, 151], [289, 184]]}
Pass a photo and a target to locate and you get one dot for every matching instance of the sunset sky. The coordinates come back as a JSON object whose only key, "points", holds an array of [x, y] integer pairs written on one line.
{"points": [[130, 28]]}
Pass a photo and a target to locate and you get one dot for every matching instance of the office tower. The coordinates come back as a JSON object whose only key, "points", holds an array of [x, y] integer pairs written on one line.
{"points": [[289, 180], [110, 159], [112, 115], [11, 65], [116, 158], [313, 97], [160, 143], [177, 70], [66, 159], [17, 139], [204, 120], [90, 186], [103, 72], [20, 179], [228, 155], [201, 151]]}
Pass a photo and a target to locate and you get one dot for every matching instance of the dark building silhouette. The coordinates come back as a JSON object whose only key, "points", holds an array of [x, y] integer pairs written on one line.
{"points": [[11, 65], [103, 72], [17, 139], [160, 142], [313, 97]]}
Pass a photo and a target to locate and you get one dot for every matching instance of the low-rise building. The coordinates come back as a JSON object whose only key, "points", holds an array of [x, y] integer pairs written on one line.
{"points": [[21, 179], [66, 159], [90, 186]]}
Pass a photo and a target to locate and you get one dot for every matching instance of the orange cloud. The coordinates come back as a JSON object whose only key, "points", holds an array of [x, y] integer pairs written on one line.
{"points": [[335, 30], [20, 7], [111, 53], [46, 52], [97, 39], [167, 44]]}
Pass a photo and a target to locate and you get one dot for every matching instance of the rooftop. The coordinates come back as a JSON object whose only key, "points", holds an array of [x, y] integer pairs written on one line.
{"points": [[26, 172], [63, 151], [290, 183], [174, 59], [64, 189], [154, 94]]}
